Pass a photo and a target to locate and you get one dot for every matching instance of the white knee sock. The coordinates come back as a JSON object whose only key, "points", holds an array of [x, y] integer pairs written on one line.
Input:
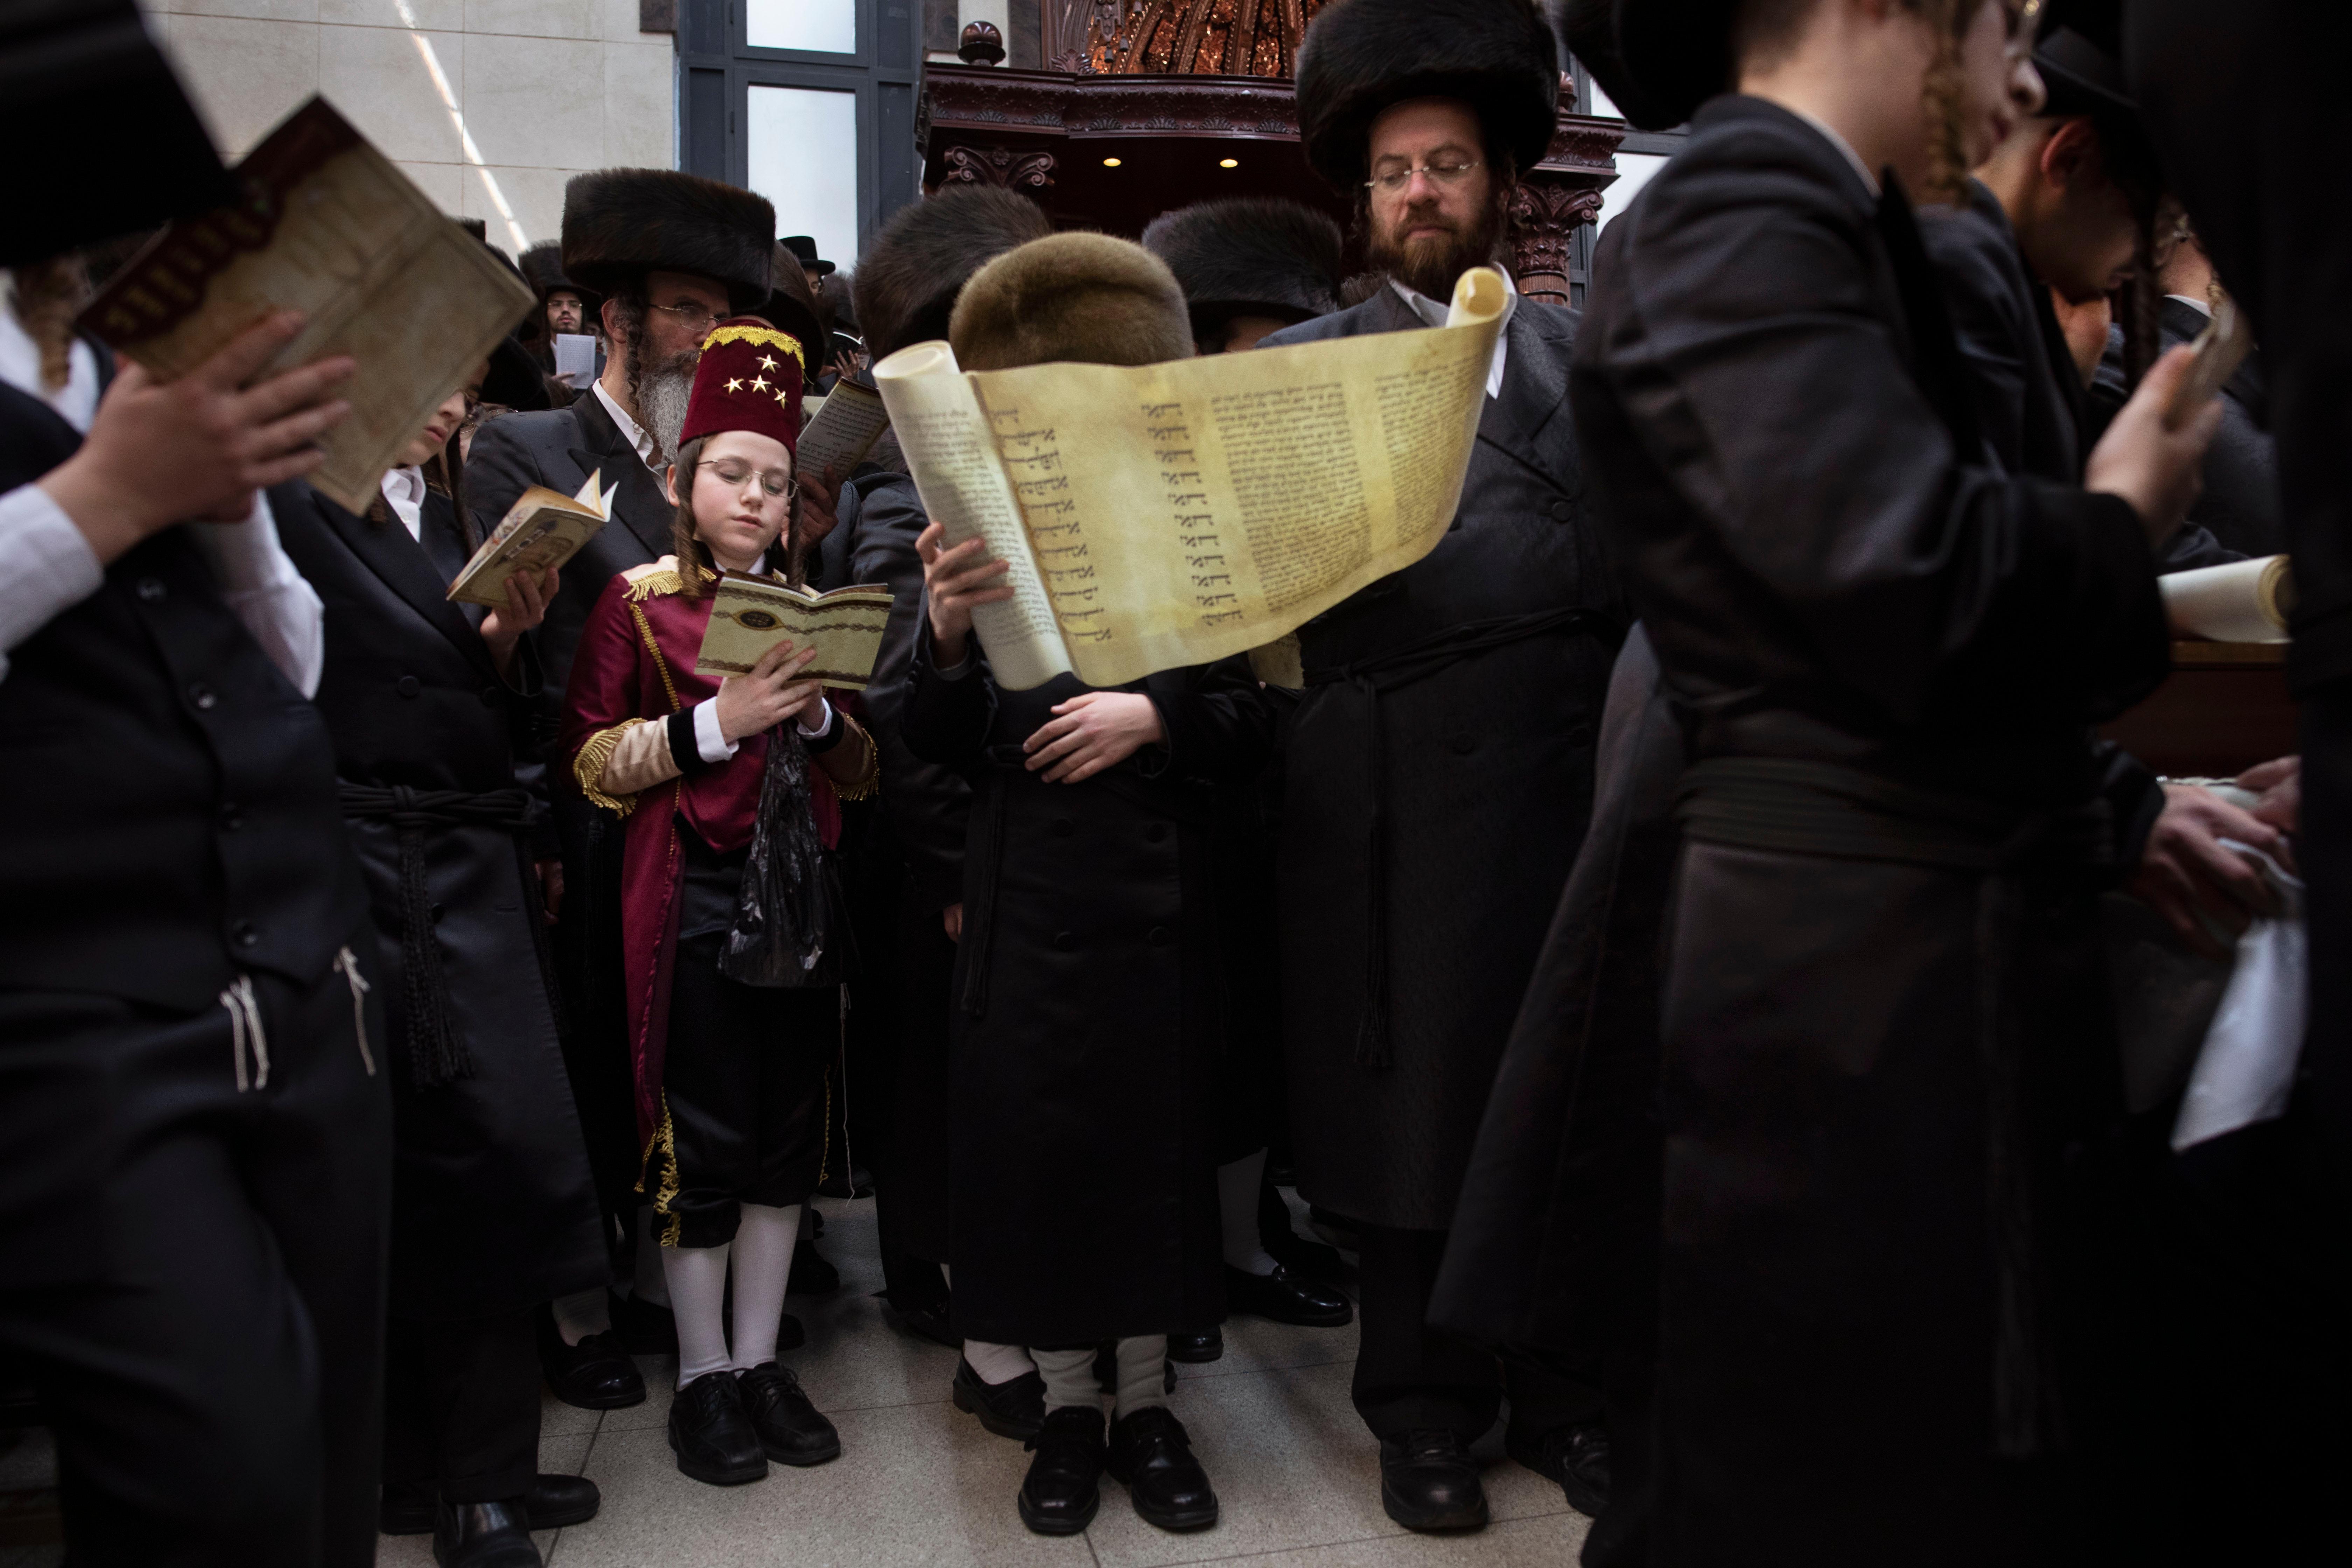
{"points": [[764, 1261], [1237, 1189], [1142, 1375], [1069, 1379], [582, 1314], [997, 1363], [651, 1284], [697, 1277]]}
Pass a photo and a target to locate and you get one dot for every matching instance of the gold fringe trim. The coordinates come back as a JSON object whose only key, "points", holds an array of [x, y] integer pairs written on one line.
{"points": [[767, 337], [869, 784], [654, 583], [596, 755], [664, 1143], [661, 664]]}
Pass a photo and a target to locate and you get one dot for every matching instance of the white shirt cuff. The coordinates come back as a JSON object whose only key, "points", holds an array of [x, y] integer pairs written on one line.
{"points": [[51, 566], [823, 723], [714, 746], [264, 590]]}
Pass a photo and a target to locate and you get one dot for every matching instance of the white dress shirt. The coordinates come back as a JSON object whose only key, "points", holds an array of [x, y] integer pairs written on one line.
{"points": [[648, 449], [51, 568], [1430, 310], [2202, 307], [403, 491]]}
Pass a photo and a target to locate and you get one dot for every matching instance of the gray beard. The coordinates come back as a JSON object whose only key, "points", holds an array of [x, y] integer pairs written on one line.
{"points": [[662, 399]]}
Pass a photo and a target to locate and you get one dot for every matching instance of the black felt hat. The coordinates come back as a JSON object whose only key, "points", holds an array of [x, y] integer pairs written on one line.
{"points": [[2080, 77], [542, 269], [908, 282], [803, 250], [1250, 255], [101, 140], [621, 224], [1360, 57], [793, 308], [1657, 60]]}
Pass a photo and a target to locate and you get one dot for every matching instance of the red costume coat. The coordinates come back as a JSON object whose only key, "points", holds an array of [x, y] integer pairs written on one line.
{"points": [[635, 665]]}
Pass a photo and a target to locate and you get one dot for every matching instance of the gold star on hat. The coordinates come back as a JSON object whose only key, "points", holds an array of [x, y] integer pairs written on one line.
{"points": [[734, 383], [767, 361], [780, 396], [759, 384]]}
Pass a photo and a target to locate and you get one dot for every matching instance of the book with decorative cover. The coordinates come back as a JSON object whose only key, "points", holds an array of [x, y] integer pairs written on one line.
{"points": [[544, 527], [749, 615], [326, 225]]}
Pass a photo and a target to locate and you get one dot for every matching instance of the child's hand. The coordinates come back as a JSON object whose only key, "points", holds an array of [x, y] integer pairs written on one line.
{"points": [[755, 703]]}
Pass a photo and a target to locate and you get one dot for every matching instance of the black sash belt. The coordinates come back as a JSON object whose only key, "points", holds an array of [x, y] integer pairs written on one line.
{"points": [[1818, 808], [1363, 683], [436, 1053]]}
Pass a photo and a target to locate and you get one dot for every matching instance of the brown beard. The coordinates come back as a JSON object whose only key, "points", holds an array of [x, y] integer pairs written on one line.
{"points": [[1429, 266]]}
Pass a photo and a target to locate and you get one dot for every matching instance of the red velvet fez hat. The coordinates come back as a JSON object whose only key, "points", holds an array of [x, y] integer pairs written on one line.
{"points": [[749, 379]]}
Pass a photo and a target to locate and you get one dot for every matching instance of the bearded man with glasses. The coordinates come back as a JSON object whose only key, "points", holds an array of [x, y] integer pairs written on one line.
{"points": [[671, 254], [1439, 770]]}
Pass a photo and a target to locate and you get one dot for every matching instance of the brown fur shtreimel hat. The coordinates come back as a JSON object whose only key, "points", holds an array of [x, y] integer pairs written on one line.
{"points": [[1360, 57], [621, 224], [1086, 298]]}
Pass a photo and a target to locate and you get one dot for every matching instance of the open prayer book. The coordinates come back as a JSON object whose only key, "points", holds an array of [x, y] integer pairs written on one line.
{"points": [[749, 615], [851, 418], [1163, 515], [544, 527], [327, 226]]}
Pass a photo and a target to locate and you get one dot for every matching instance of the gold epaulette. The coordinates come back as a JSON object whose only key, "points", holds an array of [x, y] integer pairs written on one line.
{"points": [[652, 584]]}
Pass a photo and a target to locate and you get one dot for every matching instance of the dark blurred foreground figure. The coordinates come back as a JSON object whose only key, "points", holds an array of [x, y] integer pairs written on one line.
{"points": [[493, 1212], [1446, 723], [2272, 1200], [1883, 1066], [193, 1131]]}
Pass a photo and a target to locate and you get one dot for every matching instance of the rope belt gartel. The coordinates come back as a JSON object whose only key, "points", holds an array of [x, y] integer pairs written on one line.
{"points": [[437, 1055], [1362, 685], [1803, 807]]}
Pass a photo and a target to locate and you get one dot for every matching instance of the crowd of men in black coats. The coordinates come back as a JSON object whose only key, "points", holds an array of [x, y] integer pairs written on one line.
{"points": [[1659, 933]]}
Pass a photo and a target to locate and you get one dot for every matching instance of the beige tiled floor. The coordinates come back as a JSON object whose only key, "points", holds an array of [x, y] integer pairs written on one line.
{"points": [[918, 1482]]}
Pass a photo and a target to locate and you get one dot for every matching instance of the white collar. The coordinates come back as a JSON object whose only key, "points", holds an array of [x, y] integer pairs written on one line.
{"points": [[1845, 148], [1435, 314], [2194, 303], [403, 491], [646, 448]]}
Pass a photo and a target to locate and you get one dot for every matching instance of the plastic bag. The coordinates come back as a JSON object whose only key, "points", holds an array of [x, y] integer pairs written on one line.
{"points": [[788, 910], [2245, 1069]]}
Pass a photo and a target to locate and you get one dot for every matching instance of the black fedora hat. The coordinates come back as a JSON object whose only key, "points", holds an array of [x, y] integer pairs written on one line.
{"points": [[804, 248]]}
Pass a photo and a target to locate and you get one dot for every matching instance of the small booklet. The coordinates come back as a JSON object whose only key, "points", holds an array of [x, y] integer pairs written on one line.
{"points": [[842, 431], [544, 527], [328, 226], [575, 360], [2244, 601], [749, 615]]}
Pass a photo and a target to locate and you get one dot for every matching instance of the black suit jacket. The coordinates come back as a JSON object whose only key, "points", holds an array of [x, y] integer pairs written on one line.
{"points": [[559, 449]]}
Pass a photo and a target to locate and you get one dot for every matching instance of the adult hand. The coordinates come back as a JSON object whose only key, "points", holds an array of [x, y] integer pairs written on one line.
{"points": [[528, 595], [754, 703], [2280, 783], [819, 499], [2149, 465], [848, 364], [550, 889], [1091, 732], [158, 453], [951, 919], [2186, 876], [955, 582]]}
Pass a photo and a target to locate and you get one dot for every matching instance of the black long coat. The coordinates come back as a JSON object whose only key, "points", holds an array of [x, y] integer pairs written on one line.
{"points": [[1088, 1009], [492, 1207], [1432, 807], [1865, 1058]]}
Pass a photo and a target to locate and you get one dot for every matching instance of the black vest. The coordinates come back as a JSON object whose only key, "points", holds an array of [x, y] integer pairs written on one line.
{"points": [[167, 800]]}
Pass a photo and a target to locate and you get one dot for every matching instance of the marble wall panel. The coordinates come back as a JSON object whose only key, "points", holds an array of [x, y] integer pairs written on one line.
{"points": [[536, 101], [378, 78], [640, 123], [536, 194], [537, 18], [245, 75]]}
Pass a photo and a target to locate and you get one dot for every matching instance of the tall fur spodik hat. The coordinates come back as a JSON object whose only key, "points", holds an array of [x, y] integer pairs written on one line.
{"points": [[621, 224], [1250, 255], [1360, 57], [1087, 298], [906, 283]]}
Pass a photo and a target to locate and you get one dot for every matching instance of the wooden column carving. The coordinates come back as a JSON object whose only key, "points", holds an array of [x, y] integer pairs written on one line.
{"points": [[1544, 216], [1025, 172]]}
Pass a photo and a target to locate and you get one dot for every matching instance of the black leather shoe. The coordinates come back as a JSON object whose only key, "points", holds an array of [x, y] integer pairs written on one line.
{"points": [[554, 1501], [790, 1431], [928, 1324], [1430, 1482], [483, 1535], [1287, 1298], [1012, 1409], [644, 1328], [1577, 1457], [1062, 1491], [711, 1433], [594, 1375], [1151, 1453], [812, 1274], [1197, 1348]]}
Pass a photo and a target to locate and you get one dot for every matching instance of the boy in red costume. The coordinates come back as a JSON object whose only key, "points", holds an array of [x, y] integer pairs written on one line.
{"points": [[732, 991]]}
